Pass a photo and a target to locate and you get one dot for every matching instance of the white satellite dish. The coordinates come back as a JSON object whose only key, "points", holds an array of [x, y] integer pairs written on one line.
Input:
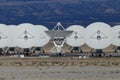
{"points": [[25, 35], [98, 35], [77, 37], [42, 37], [3, 35], [11, 35], [116, 33]]}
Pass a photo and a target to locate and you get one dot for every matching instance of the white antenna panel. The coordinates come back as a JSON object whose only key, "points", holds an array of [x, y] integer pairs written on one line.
{"points": [[98, 35], [77, 37]]}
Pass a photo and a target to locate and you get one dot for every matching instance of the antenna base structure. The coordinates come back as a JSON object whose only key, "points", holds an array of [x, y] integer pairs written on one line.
{"points": [[116, 49], [58, 36], [37, 50], [98, 36], [75, 49], [10, 50], [97, 52]]}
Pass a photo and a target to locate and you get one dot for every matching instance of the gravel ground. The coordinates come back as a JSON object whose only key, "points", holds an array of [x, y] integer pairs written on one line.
{"points": [[60, 73]]}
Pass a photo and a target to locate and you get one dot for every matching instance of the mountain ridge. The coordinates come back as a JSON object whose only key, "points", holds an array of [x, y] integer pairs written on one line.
{"points": [[69, 12]]}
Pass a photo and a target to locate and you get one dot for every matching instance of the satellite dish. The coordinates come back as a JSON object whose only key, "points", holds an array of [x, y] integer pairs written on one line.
{"points": [[3, 35], [98, 35], [77, 37], [11, 35], [116, 33], [42, 37], [58, 36], [25, 35]]}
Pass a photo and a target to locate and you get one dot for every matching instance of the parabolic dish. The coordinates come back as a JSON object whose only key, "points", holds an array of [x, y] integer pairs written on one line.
{"points": [[58, 33], [42, 37], [98, 35], [3, 35], [11, 35], [77, 37], [116, 33], [25, 35]]}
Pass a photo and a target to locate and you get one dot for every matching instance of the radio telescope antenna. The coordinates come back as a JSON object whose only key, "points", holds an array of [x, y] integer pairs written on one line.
{"points": [[58, 27], [76, 39], [98, 36], [58, 36], [116, 39], [25, 35]]}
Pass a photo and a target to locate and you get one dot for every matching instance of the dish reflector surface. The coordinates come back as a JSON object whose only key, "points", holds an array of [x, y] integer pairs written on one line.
{"points": [[77, 37], [42, 37], [11, 35], [25, 35], [98, 35], [3, 35], [116, 33]]}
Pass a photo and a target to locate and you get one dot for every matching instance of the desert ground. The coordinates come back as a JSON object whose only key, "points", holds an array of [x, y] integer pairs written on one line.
{"points": [[59, 69], [60, 73]]}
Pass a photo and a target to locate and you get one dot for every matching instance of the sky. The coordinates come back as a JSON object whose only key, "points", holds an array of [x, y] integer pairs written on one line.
{"points": [[68, 12]]}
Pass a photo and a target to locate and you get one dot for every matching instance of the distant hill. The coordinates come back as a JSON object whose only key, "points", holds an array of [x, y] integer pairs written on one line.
{"points": [[48, 12]]}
